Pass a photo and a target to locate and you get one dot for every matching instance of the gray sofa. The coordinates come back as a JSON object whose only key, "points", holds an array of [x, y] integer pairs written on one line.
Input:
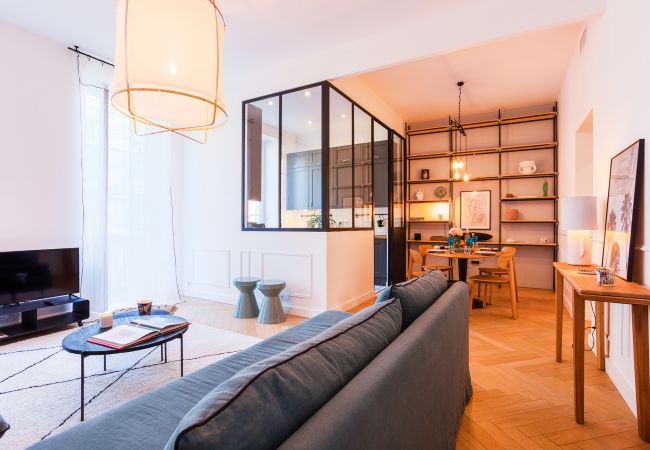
{"points": [[409, 395]]}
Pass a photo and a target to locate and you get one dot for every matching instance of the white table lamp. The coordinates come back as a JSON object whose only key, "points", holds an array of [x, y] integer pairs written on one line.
{"points": [[578, 219]]}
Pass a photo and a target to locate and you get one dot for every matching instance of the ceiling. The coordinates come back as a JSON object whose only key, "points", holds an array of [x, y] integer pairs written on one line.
{"points": [[510, 73], [294, 27]]}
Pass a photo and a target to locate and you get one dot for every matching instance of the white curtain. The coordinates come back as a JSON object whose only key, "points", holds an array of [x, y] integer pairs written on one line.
{"points": [[128, 243]]}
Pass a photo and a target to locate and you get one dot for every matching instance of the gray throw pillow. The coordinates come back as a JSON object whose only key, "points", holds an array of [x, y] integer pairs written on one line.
{"points": [[4, 426], [263, 404], [416, 294], [384, 295]]}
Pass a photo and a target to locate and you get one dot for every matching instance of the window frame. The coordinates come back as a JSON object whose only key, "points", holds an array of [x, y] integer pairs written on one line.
{"points": [[325, 87]]}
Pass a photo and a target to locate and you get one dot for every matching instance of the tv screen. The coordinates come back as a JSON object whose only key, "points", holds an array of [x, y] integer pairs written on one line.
{"points": [[36, 274]]}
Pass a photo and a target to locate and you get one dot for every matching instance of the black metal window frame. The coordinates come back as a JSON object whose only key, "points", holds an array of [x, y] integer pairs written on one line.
{"points": [[325, 87]]}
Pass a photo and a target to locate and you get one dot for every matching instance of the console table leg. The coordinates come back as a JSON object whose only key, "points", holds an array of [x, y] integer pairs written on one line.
{"points": [[600, 335], [641, 369], [579, 357], [181, 355], [83, 357], [559, 311]]}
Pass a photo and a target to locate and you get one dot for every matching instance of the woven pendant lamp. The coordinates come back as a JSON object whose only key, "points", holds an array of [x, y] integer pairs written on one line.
{"points": [[168, 66]]}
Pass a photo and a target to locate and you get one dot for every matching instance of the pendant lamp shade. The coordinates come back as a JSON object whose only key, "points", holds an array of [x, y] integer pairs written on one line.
{"points": [[168, 66]]}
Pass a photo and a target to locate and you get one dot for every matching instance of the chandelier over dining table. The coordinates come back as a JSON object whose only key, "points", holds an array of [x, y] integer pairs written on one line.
{"points": [[458, 152]]}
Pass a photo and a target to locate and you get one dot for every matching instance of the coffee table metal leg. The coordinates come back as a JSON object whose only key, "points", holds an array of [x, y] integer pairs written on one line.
{"points": [[104, 363], [161, 352], [181, 336], [83, 357], [165, 352]]}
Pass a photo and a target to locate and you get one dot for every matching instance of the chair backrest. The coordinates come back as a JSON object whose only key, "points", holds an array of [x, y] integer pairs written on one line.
{"points": [[508, 250], [415, 262], [423, 252], [505, 260]]}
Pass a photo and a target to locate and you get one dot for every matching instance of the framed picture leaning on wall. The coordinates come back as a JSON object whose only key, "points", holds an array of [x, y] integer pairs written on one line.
{"points": [[625, 179], [475, 210]]}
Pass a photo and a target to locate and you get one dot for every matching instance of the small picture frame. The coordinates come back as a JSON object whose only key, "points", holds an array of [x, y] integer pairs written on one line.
{"points": [[424, 174]]}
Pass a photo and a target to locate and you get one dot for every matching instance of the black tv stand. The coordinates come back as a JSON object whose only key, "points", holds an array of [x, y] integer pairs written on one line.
{"points": [[30, 323]]}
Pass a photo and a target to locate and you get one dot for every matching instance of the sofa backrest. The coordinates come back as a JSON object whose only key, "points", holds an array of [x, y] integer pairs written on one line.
{"points": [[410, 396]]}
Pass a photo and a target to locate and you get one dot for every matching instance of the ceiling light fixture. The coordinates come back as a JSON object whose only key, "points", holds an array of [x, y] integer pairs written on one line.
{"points": [[307, 93], [270, 103], [184, 97], [309, 122], [343, 116], [458, 132]]}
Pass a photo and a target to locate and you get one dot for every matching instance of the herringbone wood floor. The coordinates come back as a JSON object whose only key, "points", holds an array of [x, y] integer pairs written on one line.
{"points": [[522, 397]]}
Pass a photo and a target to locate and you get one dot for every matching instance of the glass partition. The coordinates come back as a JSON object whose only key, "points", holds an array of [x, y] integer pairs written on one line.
{"points": [[261, 154], [362, 169], [341, 175], [287, 139], [398, 181], [301, 179]]}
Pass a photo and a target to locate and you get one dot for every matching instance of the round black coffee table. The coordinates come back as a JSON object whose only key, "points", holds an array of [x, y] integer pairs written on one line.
{"points": [[77, 343]]}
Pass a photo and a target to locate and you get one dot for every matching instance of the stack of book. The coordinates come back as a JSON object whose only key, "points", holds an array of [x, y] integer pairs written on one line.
{"points": [[139, 330]]}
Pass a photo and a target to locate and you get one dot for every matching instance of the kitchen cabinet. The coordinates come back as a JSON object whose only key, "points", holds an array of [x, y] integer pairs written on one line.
{"points": [[304, 172]]}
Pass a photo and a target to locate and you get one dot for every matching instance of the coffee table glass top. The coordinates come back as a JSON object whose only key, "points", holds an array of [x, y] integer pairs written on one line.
{"points": [[76, 342]]}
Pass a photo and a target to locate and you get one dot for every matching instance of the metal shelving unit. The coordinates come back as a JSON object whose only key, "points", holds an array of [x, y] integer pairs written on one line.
{"points": [[445, 155]]}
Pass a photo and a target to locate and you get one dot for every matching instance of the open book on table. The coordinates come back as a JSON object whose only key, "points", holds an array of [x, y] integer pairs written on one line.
{"points": [[138, 331]]}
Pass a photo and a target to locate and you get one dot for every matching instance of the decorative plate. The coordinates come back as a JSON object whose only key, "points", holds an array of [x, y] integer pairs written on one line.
{"points": [[440, 191]]}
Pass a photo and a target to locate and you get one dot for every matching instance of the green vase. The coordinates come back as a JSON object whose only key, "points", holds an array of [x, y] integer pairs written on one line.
{"points": [[545, 188]]}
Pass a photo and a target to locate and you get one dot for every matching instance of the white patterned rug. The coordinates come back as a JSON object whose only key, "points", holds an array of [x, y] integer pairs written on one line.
{"points": [[39, 381]]}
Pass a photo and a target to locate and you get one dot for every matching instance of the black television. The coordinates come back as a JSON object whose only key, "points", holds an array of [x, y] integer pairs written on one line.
{"points": [[38, 274]]}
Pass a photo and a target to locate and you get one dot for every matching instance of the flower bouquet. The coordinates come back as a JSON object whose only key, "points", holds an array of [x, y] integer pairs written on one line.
{"points": [[458, 239]]}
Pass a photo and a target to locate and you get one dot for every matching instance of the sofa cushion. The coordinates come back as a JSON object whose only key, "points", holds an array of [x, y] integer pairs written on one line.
{"points": [[148, 421], [416, 294], [263, 404]]}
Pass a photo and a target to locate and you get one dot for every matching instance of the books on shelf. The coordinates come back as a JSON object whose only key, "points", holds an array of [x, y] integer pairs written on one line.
{"points": [[138, 331]]}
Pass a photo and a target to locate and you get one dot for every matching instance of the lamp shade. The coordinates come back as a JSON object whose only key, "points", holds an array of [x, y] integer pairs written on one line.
{"points": [[168, 66], [579, 213]]}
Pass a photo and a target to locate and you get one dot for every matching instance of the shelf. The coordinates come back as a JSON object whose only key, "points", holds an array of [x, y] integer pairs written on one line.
{"points": [[460, 180], [428, 221], [487, 123], [528, 244], [434, 155], [413, 241], [529, 221], [442, 200], [529, 118], [529, 147], [445, 180], [532, 175], [528, 199]]}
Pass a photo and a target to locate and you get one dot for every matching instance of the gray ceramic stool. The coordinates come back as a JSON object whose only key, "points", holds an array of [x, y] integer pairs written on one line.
{"points": [[247, 305], [271, 311]]}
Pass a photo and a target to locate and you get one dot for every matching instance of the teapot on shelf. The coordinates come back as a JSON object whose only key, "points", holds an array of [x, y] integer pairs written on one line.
{"points": [[527, 167]]}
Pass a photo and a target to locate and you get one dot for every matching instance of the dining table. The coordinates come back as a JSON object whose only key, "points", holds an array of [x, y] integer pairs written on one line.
{"points": [[463, 258]]}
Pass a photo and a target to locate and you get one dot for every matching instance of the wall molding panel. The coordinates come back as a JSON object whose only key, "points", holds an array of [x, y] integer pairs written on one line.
{"points": [[294, 268]]}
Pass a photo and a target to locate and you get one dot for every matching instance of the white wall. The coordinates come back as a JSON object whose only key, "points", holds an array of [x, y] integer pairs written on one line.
{"points": [[40, 177], [610, 78], [39, 153]]}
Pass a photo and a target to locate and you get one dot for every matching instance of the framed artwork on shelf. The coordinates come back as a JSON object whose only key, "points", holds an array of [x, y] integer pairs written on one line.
{"points": [[475, 210], [625, 172]]}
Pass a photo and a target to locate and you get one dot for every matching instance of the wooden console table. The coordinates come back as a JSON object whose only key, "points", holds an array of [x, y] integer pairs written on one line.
{"points": [[586, 288]]}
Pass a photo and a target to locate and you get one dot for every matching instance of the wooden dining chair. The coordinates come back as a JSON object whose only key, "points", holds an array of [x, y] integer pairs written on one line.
{"points": [[415, 268], [441, 267], [496, 271], [506, 262]]}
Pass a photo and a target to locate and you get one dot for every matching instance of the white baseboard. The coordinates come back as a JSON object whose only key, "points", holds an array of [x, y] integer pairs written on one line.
{"points": [[355, 301], [622, 384]]}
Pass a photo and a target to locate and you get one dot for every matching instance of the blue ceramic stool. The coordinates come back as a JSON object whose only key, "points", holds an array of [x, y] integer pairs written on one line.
{"points": [[271, 311], [247, 305]]}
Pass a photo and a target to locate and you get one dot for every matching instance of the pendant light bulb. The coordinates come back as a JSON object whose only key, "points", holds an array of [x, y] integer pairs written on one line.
{"points": [[460, 164], [454, 165], [466, 177], [456, 175]]}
